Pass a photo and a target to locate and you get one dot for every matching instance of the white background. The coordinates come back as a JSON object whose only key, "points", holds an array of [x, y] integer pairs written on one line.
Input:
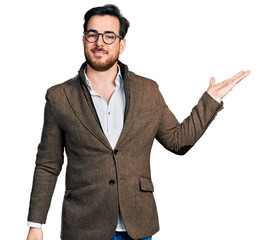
{"points": [[224, 187]]}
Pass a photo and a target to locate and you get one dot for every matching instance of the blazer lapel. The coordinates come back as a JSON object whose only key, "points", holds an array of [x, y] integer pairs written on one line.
{"points": [[81, 104], [133, 93]]}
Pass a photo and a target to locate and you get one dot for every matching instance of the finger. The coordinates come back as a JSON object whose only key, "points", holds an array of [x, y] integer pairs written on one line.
{"points": [[212, 81], [247, 73], [241, 76], [232, 81], [237, 75]]}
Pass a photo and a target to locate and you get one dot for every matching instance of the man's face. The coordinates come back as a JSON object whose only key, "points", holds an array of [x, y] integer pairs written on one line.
{"points": [[101, 56]]}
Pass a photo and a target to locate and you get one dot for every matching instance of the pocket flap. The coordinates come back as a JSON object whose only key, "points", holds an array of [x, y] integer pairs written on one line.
{"points": [[146, 184], [67, 192]]}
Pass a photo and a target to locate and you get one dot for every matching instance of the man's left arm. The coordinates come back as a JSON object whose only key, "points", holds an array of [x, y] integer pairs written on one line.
{"points": [[181, 137]]}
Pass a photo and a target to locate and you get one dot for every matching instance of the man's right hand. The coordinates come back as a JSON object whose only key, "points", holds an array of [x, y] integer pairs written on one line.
{"points": [[35, 234]]}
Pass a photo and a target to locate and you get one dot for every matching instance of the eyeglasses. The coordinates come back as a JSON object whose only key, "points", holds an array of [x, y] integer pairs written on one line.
{"points": [[107, 37]]}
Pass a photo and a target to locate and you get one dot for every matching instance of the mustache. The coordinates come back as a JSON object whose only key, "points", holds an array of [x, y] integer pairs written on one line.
{"points": [[99, 49]]}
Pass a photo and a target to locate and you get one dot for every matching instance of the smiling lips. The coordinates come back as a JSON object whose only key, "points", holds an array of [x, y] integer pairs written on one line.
{"points": [[99, 51]]}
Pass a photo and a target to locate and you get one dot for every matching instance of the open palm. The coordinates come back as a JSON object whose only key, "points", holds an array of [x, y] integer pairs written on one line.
{"points": [[221, 89]]}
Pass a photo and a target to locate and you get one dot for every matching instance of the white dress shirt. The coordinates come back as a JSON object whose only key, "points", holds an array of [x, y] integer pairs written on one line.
{"points": [[111, 117]]}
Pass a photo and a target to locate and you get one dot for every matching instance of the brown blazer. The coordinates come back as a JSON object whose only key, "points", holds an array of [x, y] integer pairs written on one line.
{"points": [[101, 181]]}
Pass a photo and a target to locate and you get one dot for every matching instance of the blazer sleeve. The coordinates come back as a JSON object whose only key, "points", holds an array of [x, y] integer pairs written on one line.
{"points": [[181, 137], [49, 162]]}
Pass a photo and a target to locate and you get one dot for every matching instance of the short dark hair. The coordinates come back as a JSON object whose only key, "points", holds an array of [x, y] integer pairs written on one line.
{"points": [[108, 9]]}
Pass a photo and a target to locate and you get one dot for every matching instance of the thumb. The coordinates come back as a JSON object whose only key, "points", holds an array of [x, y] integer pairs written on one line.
{"points": [[212, 81]]}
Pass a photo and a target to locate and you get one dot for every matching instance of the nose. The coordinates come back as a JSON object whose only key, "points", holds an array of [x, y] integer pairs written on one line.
{"points": [[100, 41]]}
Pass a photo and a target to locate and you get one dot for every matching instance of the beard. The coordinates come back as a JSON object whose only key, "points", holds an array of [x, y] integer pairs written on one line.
{"points": [[96, 62]]}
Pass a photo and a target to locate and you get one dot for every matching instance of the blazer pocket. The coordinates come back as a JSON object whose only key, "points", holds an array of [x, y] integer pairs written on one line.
{"points": [[83, 188], [67, 192], [146, 184]]}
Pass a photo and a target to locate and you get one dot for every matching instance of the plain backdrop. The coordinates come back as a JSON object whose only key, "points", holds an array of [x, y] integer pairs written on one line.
{"points": [[225, 186]]}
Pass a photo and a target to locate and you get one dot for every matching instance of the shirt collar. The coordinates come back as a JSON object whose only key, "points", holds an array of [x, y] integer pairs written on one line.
{"points": [[118, 81]]}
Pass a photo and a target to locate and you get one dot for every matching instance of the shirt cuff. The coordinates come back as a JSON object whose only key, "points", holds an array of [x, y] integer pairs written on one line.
{"points": [[33, 224], [219, 100]]}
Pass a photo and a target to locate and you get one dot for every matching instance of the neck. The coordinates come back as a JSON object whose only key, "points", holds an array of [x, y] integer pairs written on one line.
{"points": [[104, 78]]}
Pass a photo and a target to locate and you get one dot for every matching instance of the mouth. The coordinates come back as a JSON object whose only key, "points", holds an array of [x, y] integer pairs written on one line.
{"points": [[99, 52]]}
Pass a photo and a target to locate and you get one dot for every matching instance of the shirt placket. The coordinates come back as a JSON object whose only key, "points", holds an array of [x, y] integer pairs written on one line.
{"points": [[108, 119]]}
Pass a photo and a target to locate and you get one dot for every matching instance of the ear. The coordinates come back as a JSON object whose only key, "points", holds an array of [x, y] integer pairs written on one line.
{"points": [[122, 45], [84, 40]]}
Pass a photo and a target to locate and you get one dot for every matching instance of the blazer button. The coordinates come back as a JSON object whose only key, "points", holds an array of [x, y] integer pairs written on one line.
{"points": [[112, 181], [115, 152]]}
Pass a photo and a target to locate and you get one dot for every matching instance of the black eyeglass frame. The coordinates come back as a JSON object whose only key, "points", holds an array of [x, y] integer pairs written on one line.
{"points": [[102, 34]]}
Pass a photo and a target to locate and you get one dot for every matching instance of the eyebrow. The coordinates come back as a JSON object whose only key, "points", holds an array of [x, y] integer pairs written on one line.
{"points": [[93, 30]]}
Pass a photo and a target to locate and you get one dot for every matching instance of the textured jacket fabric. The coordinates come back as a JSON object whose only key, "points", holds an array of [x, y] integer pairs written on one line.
{"points": [[101, 181]]}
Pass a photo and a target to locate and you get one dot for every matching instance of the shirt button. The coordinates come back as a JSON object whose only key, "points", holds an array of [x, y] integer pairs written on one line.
{"points": [[112, 182], [115, 152], [109, 113]]}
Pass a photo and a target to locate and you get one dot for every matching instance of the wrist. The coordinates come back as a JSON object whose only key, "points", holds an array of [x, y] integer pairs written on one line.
{"points": [[219, 100]]}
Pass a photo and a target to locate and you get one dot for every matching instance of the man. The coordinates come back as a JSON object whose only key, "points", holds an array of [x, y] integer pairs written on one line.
{"points": [[106, 118]]}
